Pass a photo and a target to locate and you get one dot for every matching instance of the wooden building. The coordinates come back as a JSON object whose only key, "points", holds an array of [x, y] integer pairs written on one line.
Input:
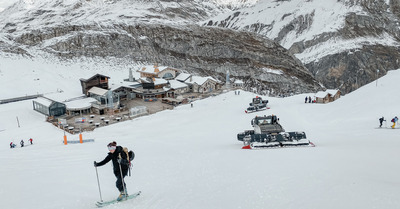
{"points": [[176, 88], [334, 94], [329, 95], [97, 80], [199, 84], [321, 97]]}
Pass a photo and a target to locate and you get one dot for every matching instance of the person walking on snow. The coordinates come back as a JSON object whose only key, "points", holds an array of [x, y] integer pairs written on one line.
{"points": [[306, 100], [30, 140], [120, 167], [22, 143], [394, 120], [12, 145], [381, 121]]}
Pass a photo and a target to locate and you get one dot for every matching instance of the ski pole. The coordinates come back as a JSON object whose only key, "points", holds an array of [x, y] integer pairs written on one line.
{"points": [[122, 179], [98, 183]]}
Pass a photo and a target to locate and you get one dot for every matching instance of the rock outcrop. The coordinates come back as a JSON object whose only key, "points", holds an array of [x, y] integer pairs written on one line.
{"points": [[263, 64]]}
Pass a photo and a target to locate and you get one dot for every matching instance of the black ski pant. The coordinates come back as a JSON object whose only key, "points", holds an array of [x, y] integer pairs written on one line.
{"points": [[120, 183]]}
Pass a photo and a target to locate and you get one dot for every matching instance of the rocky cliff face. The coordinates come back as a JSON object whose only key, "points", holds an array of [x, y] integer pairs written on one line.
{"points": [[195, 49], [263, 64], [342, 43]]}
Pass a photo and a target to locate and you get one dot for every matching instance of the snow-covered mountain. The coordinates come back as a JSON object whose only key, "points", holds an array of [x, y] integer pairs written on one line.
{"points": [[190, 157], [343, 43], [145, 31]]}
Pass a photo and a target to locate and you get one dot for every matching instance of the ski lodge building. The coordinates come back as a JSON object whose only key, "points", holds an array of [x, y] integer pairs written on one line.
{"points": [[329, 95], [166, 73], [155, 83], [98, 80]]}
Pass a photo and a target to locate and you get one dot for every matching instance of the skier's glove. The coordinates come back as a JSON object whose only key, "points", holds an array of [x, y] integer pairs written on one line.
{"points": [[95, 164]]}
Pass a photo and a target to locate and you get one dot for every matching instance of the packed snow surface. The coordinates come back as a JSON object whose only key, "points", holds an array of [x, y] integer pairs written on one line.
{"points": [[189, 157]]}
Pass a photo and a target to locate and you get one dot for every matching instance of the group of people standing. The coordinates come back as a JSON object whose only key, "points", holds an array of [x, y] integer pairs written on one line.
{"points": [[394, 121], [22, 143], [309, 100]]}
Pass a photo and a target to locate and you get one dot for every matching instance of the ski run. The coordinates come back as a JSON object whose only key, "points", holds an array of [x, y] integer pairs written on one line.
{"points": [[189, 157]]}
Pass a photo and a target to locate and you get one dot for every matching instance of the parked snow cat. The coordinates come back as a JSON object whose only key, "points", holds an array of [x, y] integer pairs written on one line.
{"points": [[269, 133], [258, 104]]}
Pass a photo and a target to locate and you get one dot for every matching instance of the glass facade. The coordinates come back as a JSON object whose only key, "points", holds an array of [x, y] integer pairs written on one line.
{"points": [[55, 109]]}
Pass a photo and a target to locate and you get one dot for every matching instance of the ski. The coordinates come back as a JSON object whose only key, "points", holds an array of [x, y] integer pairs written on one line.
{"points": [[106, 203]]}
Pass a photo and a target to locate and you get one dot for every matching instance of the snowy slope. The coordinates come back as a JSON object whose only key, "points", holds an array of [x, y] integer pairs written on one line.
{"points": [[190, 158], [28, 15], [21, 77]]}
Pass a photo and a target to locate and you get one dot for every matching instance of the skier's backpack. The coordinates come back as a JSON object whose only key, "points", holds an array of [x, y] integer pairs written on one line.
{"points": [[127, 158], [392, 120]]}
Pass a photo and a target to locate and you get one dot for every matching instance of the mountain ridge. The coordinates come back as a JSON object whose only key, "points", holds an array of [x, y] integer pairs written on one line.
{"points": [[74, 28], [367, 30]]}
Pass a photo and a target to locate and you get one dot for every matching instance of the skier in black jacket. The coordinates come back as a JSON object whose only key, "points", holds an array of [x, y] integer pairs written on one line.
{"points": [[381, 121], [120, 166]]}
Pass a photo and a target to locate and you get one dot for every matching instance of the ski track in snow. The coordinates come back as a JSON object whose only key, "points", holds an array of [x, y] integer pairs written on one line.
{"points": [[190, 157]]}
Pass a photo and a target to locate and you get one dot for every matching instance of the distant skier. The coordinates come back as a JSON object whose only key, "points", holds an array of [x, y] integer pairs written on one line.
{"points": [[22, 143], [31, 140], [120, 167], [12, 145], [306, 100], [309, 99], [381, 121], [394, 121]]}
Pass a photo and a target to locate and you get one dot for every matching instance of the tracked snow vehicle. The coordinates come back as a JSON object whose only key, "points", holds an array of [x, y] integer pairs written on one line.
{"points": [[257, 104], [269, 133]]}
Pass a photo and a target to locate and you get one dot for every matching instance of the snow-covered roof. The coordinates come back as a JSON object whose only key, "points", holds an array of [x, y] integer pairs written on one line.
{"points": [[182, 76], [98, 91], [199, 80], [61, 96], [80, 104], [332, 91], [152, 69], [321, 94], [159, 81], [126, 84], [43, 101], [177, 84], [238, 81], [83, 79]]}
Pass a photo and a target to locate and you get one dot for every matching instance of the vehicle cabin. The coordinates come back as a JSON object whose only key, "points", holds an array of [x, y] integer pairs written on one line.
{"points": [[98, 80]]}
